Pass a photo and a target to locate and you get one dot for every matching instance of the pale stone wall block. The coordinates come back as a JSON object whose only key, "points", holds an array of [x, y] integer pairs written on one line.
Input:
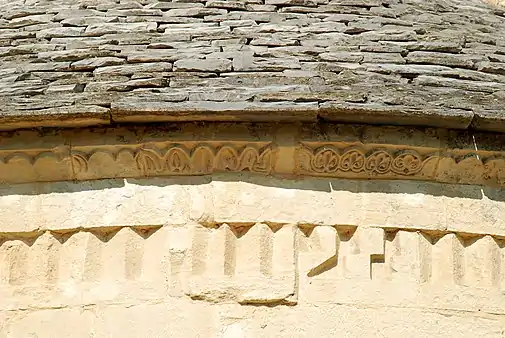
{"points": [[481, 262], [160, 201], [444, 259], [248, 264], [358, 250], [408, 257]]}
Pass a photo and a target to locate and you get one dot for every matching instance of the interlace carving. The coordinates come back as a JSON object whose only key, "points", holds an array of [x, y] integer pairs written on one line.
{"points": [[330, 160], [311, 158]]}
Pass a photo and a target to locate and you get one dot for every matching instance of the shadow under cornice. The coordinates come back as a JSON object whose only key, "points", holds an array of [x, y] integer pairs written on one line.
{"points": [[328, 185]]}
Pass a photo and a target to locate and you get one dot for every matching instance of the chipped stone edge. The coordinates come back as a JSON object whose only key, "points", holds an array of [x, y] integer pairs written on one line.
{"points": [[260, 112]]}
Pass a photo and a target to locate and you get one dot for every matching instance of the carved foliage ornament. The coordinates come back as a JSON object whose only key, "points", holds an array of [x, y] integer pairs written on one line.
{"points": [[179, 160], [329, 160], [311, 159], [203, 159]]}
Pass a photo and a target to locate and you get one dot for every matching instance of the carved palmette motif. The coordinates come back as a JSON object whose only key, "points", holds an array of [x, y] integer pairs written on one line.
{"points": [[310, 159], [330, 160], [203, 159]]}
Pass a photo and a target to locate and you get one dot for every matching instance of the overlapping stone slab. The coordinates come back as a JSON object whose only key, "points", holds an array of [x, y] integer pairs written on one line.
{"points": [[81, 63]]}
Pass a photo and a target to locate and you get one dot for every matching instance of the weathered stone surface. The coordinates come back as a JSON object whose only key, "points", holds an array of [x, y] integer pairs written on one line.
{"points": [[130, 69], [411, 57], [253, 236], [29, 20], [84, 21], [249, 272], [74, 54], [489, 87], [428, 157], [59, 32], [74, 116], [89, 64], [223, 111], [373, 113], [233, 321], [232, 5], [492, 67], [452, 60], [208, 65], [115, 28], [124, 86], [77, 88], [244, 62]]}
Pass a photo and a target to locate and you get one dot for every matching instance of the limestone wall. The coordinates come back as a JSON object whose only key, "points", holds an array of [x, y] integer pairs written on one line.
{"points": [[240, 255]]}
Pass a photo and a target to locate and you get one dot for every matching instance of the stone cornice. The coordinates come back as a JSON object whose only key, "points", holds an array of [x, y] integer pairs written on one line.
{"points": [[288, 150]]}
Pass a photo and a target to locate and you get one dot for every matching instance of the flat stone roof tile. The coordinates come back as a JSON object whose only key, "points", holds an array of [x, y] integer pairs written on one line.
{"points": [[436, 63]]}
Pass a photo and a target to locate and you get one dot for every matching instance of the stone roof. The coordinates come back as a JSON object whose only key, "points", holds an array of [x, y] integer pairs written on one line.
{"points": [[410, 62]]}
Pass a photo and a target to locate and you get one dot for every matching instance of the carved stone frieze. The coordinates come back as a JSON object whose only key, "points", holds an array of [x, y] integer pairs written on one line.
{"points": [[330, 160], [399, 162], [203, 159], [174, 159], [288, 151]]}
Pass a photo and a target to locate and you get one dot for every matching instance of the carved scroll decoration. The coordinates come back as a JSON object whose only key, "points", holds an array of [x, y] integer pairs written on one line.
{"points": [[203, 159], [330, 160], [180, 160], [367, 161]]}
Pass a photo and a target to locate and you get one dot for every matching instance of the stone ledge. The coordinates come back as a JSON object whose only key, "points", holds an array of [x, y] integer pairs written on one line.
{"points": [[251, 112], [287, 150], [245, 199]]}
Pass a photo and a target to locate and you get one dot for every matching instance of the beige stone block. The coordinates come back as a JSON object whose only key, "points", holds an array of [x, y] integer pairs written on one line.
{"points": [[158, 201], [330, 257], [480, 259], [213, 252], [417, 269], [102, 265], [332, 320], [318, 249], [471, 170], [20, 208], [69, 205], [248, 264], [66, 322], [407, 257], [179, 245], [5, 259], [36, 167], [171, 319], [407, 294], [15, 254], [358, 250], [401, 204], [29, 260], [150, 259], [284, 201], [73, 256], [444, 259], [141, 263], [317, 261], [196, 319], [476, 213]]}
